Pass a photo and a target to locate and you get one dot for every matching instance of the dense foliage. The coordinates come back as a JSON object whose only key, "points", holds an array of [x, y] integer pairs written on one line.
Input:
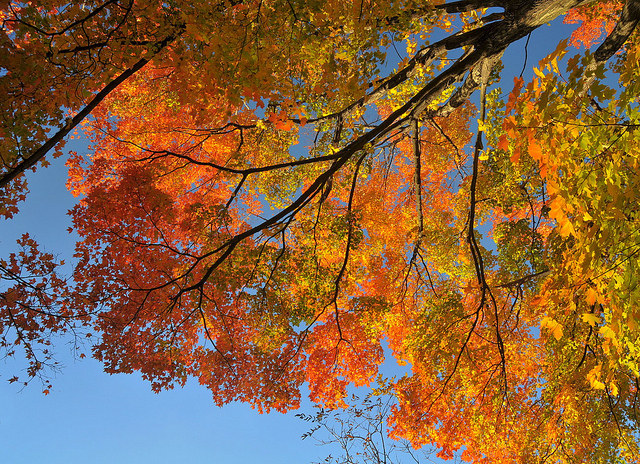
{"points": [[270, 200]]}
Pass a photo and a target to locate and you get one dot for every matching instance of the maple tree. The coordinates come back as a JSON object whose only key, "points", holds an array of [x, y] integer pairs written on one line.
{"points": [[269, 202]]}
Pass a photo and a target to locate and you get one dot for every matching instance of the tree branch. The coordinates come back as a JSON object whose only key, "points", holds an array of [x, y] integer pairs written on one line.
{"points": [[72, 123]]}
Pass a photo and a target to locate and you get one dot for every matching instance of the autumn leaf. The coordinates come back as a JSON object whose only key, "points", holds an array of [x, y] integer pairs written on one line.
{"points": [[591, 319], [503, 143], [594, 378], [552, 325], [592, 296], [535, 151]]}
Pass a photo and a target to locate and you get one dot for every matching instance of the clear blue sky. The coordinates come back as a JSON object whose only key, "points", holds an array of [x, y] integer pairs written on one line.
{"points": [[94, 417]]}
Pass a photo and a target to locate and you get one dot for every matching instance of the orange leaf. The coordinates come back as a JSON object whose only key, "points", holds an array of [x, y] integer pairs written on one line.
{"points": [[503, 143], [592, 296], [567, 228], [535, 150]]}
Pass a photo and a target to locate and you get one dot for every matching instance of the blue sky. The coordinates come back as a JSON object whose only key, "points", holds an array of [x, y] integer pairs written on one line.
{"points": [[94, 417], [90, 416]]}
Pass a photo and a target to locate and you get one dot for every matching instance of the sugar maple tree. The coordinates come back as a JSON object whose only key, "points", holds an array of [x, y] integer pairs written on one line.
{"points": [[268, 202]]}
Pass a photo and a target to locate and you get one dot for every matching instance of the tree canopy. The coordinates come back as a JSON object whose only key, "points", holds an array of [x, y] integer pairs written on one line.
{"points": [[278, 190]]}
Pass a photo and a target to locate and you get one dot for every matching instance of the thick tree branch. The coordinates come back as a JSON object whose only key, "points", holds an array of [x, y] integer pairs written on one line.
{"points": [[463, 6], [624, 27], [72, 123]]}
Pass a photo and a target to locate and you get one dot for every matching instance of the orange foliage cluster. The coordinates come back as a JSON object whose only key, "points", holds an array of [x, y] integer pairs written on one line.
{"points": [[594, 20]]}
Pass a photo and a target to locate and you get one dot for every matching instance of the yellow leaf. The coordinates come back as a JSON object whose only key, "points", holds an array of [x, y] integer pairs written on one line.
{"points": [[607, 332], [594, 378], [567, 228], [590, 319], [554, 326], [614, 388]]}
